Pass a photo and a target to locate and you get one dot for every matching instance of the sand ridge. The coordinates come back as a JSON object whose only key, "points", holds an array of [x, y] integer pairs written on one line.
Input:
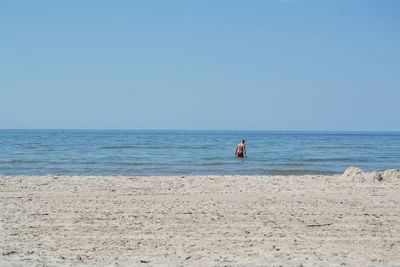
{"points": [[351, 219]]}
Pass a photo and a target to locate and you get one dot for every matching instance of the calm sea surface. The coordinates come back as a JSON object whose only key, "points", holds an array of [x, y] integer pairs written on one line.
{"points": [[120, 152]]}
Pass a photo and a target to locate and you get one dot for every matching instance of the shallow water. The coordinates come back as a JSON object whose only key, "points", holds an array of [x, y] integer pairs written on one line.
{"points": [[123, 152]]}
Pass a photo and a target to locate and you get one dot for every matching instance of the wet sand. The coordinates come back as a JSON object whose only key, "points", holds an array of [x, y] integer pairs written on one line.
{"points": [[352, 219]]}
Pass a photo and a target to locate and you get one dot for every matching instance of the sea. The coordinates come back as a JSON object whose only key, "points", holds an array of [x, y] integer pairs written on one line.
{"points": [[170, 152]]}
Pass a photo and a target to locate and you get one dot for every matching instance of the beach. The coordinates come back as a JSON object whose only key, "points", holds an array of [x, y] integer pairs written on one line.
{"points": [[351, 219]]}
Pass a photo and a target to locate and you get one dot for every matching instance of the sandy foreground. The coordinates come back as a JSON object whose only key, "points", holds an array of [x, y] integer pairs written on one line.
{"points": [[352, 219]]}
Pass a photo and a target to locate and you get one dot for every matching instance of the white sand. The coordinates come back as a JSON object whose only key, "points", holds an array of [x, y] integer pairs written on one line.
{"points": [[353, 219]]}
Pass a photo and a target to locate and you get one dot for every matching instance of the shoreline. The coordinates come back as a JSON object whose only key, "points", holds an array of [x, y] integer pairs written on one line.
{"points": [[349, 219]]}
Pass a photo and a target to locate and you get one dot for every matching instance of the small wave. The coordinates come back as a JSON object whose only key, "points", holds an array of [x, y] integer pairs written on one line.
{"points": [[290, 164], [294, 172], [115, 163], [209, 164], [118, 147], [20, 161], [208, 159], [330, 159]]}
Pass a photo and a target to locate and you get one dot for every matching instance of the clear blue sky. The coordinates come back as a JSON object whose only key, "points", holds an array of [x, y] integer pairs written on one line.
{"points": [[252, 65]]}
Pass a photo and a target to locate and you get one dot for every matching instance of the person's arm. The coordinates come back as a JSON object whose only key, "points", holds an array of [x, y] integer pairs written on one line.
{"points": [[236, 150], [244, 151]]}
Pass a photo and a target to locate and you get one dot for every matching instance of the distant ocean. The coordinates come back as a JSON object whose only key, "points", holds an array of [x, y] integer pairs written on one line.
{"points": [[125, 152]]}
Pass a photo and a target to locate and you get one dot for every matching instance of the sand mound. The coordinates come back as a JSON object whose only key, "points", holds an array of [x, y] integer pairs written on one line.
{"points": [[391, 175], [354, 174]]}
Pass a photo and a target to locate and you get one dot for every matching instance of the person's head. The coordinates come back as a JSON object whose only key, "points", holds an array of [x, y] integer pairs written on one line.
{"points": [[243, 141]]}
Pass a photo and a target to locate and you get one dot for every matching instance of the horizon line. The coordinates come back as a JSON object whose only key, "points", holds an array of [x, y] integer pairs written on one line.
{"points": [[198, 130]]}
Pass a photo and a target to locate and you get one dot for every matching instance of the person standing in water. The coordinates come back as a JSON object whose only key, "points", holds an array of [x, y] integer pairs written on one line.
{"points": [[241, 150]]}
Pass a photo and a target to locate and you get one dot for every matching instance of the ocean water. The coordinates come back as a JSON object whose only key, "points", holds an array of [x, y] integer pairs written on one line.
{"points": [[124, 152]]}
